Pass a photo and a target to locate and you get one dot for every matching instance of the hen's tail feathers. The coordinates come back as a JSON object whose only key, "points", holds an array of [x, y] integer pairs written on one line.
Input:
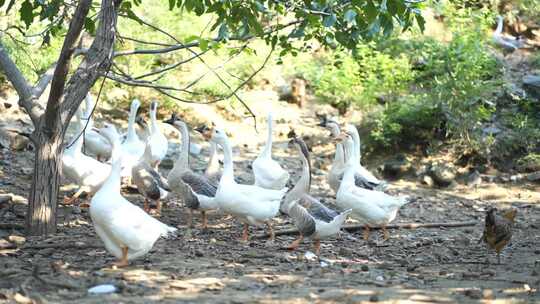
{"points": [[510, 214]]}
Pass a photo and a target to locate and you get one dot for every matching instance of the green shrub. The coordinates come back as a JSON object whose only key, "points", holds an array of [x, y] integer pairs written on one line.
{"points": [[343, 80], [411, 119], [453, 89]]}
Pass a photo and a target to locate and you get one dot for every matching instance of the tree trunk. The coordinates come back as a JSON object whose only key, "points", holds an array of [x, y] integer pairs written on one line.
{"points": [[41, 213]]}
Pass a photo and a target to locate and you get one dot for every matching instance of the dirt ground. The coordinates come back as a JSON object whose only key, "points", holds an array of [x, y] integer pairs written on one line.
{"points": [[444, 265]]}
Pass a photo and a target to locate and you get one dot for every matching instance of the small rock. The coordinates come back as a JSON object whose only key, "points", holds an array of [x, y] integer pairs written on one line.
{"points": [[411, 268], [396, 167], [333, 294], [101, 289], [443, 272], [474, 179], [374, 298], [19, 142], [532, 84], [26, 170], [533, 176], [76, 209], [427, 180], [364, 268], [199, 253], [19, 240], [19, 298], [6, 245], [488, 272], [473, 294], [487, 294], [469, 275], [6, 198], [443, 174]]}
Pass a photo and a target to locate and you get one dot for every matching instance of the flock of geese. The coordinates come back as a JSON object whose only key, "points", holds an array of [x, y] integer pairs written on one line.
{"points": [[129, 231]]}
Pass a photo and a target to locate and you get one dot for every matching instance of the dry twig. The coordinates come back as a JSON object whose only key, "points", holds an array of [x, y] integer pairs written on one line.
{"points": [[357, 227]]}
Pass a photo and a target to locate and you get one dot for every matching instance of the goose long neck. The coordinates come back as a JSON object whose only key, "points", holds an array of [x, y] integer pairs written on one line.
{"points": [[228, 170], [304, 183], [213, 162], [112, 184], [153, 122], [75, 146], [339, 157], [132, 135], [348, 176], [183, 157], [499, 25], [268, 147], [356, 140]]}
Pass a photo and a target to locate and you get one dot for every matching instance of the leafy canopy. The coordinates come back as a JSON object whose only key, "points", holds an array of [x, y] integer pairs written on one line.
{"points": [[331, 23]]}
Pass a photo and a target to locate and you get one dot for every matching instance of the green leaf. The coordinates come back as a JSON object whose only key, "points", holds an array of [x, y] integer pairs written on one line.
{"points": [[26, 11], [350, 16], [190, 38], [374, 28], [203, 44], [223, 33], [330, 20], [172, 4], [298, 32], [2, 2], [90, 25], [133, 16], [421, 22], [260, 7]]}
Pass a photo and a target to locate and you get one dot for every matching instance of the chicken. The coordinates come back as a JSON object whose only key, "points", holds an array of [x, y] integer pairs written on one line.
{"points": [[498, 229]]}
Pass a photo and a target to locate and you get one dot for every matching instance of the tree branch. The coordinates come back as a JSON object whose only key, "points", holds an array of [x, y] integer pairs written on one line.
{"points": [[15, 76], [43, 82], [181, 46], [142, 83], [170, 67], [51, 119], [352, 228], [96, 62]]}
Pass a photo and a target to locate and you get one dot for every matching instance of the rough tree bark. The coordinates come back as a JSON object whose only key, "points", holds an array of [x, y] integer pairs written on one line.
{"points": [[51, 124]]}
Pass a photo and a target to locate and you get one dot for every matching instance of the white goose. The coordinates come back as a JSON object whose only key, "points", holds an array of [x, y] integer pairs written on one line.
{"points": [[268, 173], [94, 143], [196, 190], [125, 229], [158, 142], [368, 206], [249, 203], [338, 165], [363, 177], [312, 218], [133, 147], [213, 169], [507, 42], [83, 170]]}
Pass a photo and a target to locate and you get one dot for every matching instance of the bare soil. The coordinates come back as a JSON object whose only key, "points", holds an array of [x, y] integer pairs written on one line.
{"points": [[445, 265]]}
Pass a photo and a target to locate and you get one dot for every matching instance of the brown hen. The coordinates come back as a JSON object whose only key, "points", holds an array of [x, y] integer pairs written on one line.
{"points": [[498, 229]]}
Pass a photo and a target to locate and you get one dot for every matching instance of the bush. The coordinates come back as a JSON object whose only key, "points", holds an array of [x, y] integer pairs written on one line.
{"points": [[453, 90], [343, 80]]}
